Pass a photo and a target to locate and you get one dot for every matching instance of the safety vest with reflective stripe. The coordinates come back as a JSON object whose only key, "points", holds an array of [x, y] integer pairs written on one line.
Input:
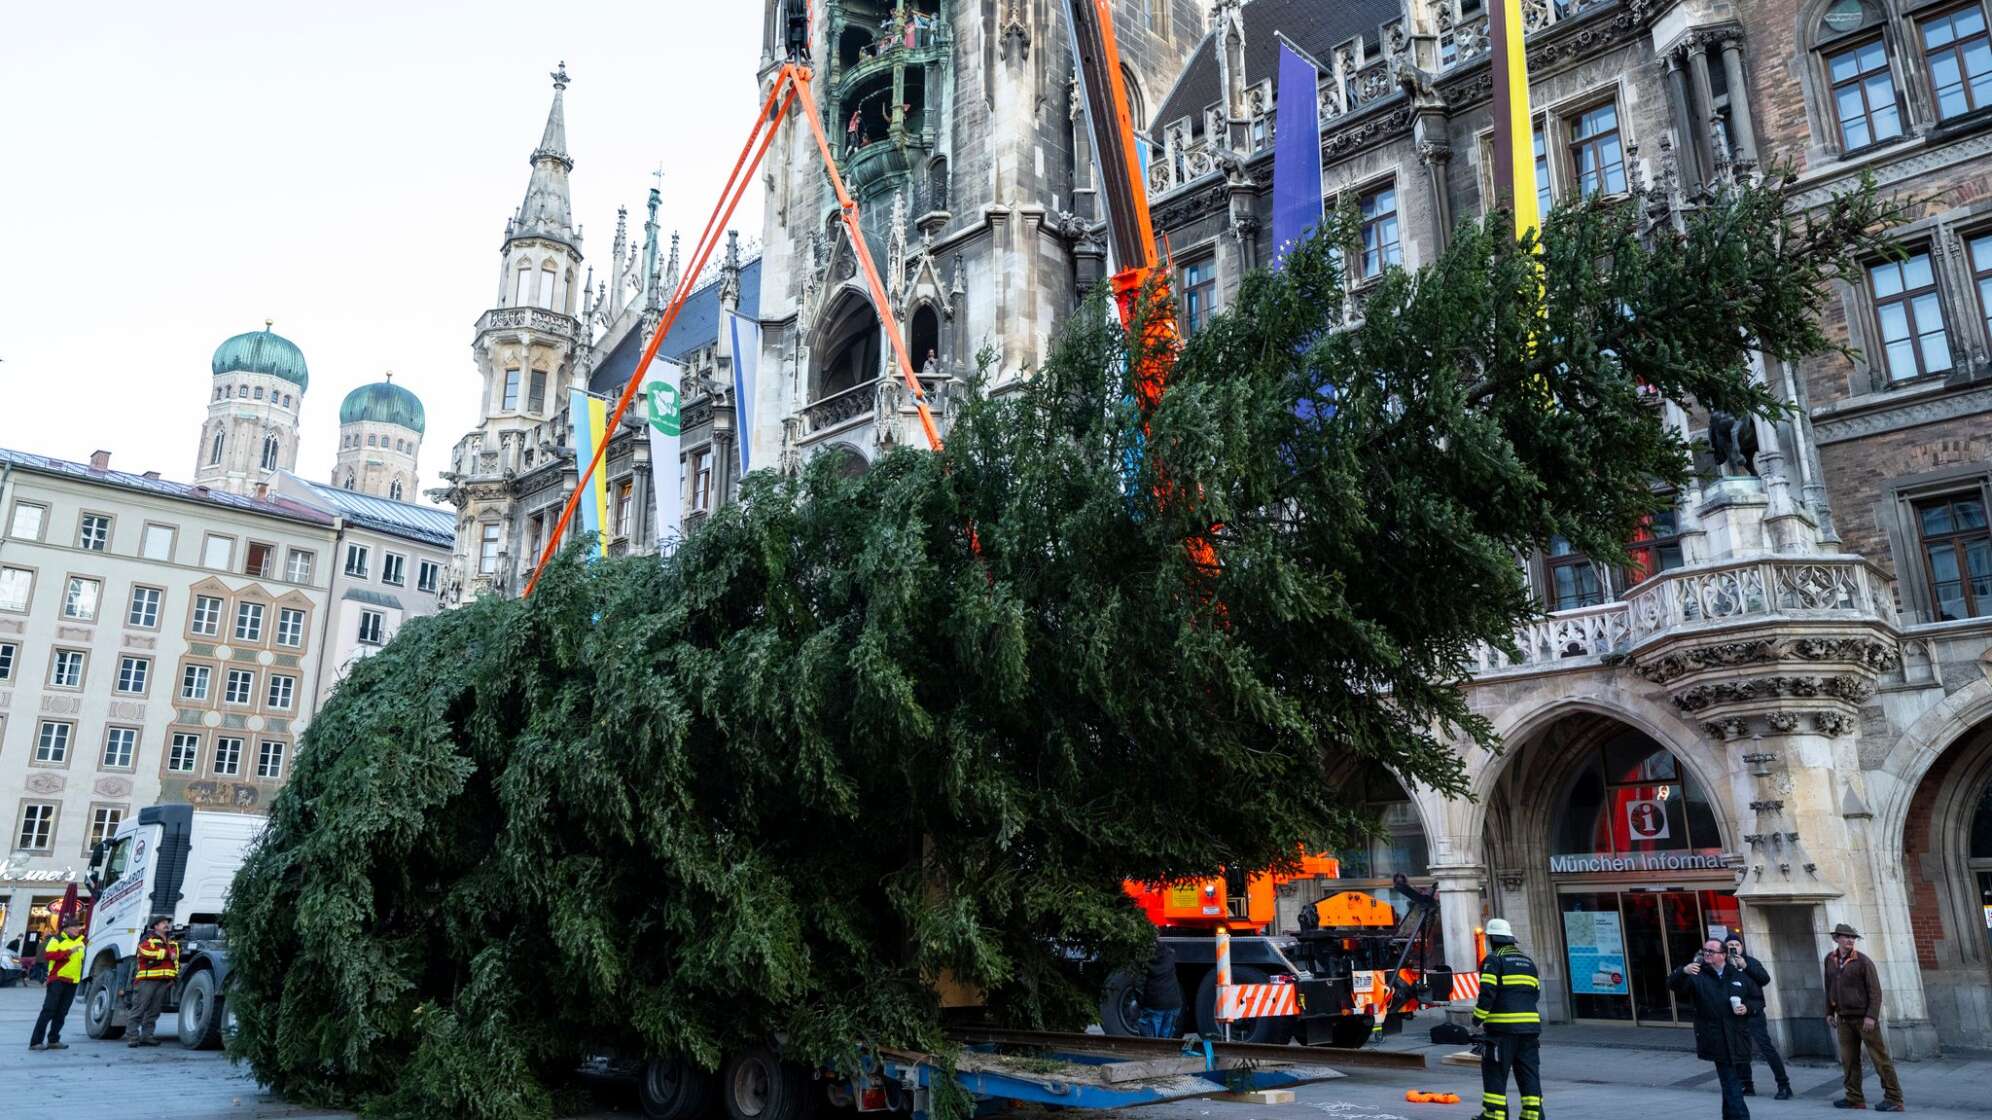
{"points": [[158, 958], [1509, 988]]}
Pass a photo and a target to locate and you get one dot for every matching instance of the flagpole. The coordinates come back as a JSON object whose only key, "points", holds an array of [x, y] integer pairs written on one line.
{"points": [[1514, 127]]}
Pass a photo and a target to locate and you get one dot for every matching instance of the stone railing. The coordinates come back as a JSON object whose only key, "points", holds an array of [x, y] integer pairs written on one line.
{"points": [[526, 318], [839, 407], [1813, 588], [1463, 40]]}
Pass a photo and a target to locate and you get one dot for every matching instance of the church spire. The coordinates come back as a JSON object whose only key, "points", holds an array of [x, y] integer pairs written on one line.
{"points": [[653, 287], [546, 211]]}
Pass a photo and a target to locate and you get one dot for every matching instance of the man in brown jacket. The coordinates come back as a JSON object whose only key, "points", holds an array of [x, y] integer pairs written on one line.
{"points": [[1853, 1010]]}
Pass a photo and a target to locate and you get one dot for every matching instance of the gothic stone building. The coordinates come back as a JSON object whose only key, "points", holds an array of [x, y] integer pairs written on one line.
{"points": [[1781, 717]]}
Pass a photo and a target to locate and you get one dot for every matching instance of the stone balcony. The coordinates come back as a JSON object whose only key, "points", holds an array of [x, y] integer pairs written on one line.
{"points": [[533, 319]]}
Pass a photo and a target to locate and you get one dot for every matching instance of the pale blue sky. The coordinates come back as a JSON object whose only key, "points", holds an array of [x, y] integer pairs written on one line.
{"points": [[175, 174]]}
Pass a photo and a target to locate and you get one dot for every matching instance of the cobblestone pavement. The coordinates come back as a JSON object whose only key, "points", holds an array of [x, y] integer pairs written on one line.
{"points": [[1589, 1073]]}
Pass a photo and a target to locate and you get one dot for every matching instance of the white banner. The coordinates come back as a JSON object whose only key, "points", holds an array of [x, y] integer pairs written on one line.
{"points": [[745, 337], [667, 472]]}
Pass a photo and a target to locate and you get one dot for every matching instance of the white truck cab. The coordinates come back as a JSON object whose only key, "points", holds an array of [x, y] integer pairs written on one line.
{"points": [[176, 861]]}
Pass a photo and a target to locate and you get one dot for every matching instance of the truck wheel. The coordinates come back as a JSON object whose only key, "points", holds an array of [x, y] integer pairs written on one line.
{"points": [[757, 1085], [200, 1012], [1120, 1005], [673, 1089], [100, 1005], [1272, 1029]]}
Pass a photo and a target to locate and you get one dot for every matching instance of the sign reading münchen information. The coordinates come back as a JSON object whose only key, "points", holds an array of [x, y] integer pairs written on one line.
{"points": [[1592, 863]]}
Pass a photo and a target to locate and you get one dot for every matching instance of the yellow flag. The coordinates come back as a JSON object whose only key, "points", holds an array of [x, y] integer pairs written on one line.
{"points": [[1514, 126]]}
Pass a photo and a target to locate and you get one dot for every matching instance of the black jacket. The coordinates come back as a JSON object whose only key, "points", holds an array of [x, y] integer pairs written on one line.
{"points": [[1721, 1035], [1159, 989], [1510, 987]]}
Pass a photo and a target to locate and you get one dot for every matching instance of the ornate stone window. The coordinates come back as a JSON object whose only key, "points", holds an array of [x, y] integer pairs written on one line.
{"points": [[1382, 247], [1958, 52], [1908, 311], [1597, 152], [1956, 548]]}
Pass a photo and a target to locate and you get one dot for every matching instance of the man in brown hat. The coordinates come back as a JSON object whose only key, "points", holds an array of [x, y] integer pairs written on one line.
{"points": [[1853, 1011]]}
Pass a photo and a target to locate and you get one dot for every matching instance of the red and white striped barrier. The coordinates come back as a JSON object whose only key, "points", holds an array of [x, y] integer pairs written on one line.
{"points": [[1255, 1001], [1466, 985]]}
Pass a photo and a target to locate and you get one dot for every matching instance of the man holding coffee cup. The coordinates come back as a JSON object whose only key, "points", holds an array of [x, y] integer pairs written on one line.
{"points": [[1724, 997]]}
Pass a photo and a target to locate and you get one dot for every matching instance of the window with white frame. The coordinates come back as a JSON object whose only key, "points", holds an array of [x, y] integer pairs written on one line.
{"points": [[241, 687], [195, 680], [248, 622], [297, 566], [218, 552], [133, 673], [487, 549], [52, 742], [290, 627], [260, 560], [393, 568], [156, 542], [283, 692], [104, 822], [30, 521], [37, 831], [17, 589], [701, 478], [65, 668], [207, 616], [144, 609], [183, 752], [80, 597], [270, 759], [428, 574], [1381, 246], [120, 747], [356, 560], [227, 755], [9, 651], [372, 623], [93, 532], [510, 401]]}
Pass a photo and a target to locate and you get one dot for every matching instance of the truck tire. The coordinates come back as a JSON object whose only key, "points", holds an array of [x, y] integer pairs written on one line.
{"points": [[1272, 1029], [200, 1012], [1120, 1004], [673, 1089], [100, 1005], [758, 1085]]}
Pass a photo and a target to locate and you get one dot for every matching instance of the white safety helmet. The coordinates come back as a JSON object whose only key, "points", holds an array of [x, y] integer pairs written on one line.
{"points": [[1499, 927]]}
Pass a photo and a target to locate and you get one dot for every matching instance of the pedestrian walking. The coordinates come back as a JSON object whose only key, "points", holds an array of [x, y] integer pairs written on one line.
{"points": [[158, 970], [1724, 998], [1161, 994], [64, 954], [1759, 1023], [1853, 1013], [1509, 989]]}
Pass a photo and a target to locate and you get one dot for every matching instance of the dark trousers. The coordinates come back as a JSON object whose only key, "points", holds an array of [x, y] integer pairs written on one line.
{"points": [[1852, 1036], [1523, 1052], [56, 999], [1760, 1038], [151, 1001], [1730, 1074]]}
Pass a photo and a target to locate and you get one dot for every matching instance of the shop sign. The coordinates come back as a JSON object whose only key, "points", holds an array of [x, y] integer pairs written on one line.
{"points": [[11, 872], [1593, 863], [1647, 819], [1596, 947]]}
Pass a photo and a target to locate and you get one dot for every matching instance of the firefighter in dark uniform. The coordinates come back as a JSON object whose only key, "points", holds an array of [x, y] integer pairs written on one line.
{"points": [[1509, 988]]}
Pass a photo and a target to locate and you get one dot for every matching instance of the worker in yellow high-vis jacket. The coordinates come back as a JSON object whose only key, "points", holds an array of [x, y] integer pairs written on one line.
{"points": [[1509, 989]]}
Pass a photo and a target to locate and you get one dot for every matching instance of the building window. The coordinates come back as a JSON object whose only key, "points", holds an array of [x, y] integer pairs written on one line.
{"points": [[120, 747], [427, 575], [37, 831], [270, 453], [282, 691], [218, 552], [290, 627], [625, 506], [17, 586], [270, 759], [510, 401], [371, 625], [536, 399], [393, 568], [394, 490], [144, 609], [1381, 248], [65, 668], [133, 673], [262, 560], [1573, 579], [356, 561], [214, 450], [1545, 188], [701, 481], [29, 521], [80, 597], [249, 622], [104, 822], [52, 744], [1960, 60], [8, 652], [487, 550], [183, 753], [93, 532], [194, 682], [1910, 314], [207, 616], [351, 480], [297, 566], [1596, 155], [259, 392], [371, 442], [1957, 555], [1656, 547], [1864, 95], [156, 543], [1199, 294], [227, 755], [241, 688]]}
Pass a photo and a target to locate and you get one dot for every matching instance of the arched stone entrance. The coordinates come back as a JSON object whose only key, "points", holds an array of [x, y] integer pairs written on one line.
{"points": [[1946, 851]]}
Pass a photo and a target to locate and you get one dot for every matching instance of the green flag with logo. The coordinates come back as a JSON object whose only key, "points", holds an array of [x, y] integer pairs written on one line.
{"points": [[660, 397]]}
